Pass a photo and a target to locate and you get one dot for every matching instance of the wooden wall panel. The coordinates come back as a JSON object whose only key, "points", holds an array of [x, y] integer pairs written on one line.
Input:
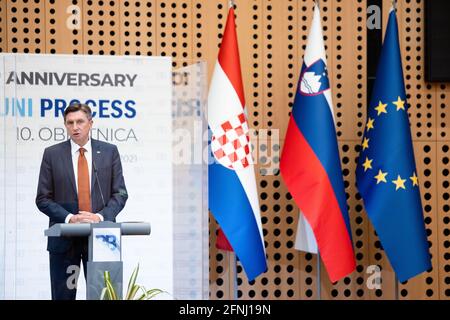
{"points": [[443, 232], [26, 26], [442, 107], [63, 27], [137, 28], [222, 274], [272, 37], [443, 189], [213, 15], [420, 95], [101, 26], [250, 33], [424, 286], [174, 29], [275, 42], [204, 36], [349, 68], [3, 19]]}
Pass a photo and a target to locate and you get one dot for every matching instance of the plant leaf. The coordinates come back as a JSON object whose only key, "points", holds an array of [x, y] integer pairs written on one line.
{"points": [[149, 294], [106, 291], [106, 276], [132, 282], [103, 294], [133, 292], [110, 290]]}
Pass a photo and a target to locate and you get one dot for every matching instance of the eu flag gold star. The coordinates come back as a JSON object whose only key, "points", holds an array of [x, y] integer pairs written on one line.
{"points": [[381, 108], [399, 183], [400, 104], [414, 179], [365, 144], [367, 164], [381, 176], [369, 124]]}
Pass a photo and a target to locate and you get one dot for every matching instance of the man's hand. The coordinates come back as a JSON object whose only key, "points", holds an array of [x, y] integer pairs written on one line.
{"points": [[85, 217]]}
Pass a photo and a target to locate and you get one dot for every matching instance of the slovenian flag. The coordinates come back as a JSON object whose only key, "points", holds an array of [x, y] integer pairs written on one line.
{"points": [[233, 198], [310, 163]]}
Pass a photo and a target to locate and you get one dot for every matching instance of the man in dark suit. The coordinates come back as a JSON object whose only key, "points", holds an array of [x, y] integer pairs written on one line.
{"points": [[80, 181]]}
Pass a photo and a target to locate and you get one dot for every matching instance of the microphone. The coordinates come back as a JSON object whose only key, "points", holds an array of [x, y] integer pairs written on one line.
{"points": [[98, 182]]}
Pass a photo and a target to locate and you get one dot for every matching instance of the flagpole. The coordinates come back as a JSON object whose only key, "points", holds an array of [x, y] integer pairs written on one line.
{"points": [[394, 5], [232, 255], [318, 277]]}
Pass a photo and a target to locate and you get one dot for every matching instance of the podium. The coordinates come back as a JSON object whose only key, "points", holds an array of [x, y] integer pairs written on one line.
{"points": [[105, 250]]}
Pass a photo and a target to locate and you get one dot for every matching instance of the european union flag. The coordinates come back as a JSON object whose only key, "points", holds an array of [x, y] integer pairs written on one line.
{"points": [[386, 174]]}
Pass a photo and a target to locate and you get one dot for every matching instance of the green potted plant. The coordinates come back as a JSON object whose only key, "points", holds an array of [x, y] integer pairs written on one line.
{"points": [[109, 293]]}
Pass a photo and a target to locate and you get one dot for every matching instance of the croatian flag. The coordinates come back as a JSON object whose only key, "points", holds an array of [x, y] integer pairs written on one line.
{"points": [[310, 163], [233, 198]]}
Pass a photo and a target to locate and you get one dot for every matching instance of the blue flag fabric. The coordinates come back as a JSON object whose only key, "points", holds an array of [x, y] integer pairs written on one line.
{"points": [[386, 174]]}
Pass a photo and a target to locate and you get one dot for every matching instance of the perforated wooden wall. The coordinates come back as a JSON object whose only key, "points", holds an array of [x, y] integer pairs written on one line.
{"points": [[272, 37]]}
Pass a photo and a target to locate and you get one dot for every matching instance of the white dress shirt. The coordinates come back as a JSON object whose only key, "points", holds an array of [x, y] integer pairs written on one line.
{"points": [[75, 152]]}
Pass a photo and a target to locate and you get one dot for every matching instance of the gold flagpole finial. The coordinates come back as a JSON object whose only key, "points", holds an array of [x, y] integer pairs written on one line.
{"points": [[394, 4], [318, 3], [230, 4]]}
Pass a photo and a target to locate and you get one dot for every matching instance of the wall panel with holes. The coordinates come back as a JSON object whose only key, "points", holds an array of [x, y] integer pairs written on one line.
{"points": [[25, 26], [137, 28], [63, 27], [443, 209], [272, 38], [174, 30], [101, 26], [3, 19]]}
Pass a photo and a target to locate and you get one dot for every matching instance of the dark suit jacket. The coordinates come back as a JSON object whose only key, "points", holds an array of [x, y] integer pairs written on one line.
{"points": [[57, 194]]}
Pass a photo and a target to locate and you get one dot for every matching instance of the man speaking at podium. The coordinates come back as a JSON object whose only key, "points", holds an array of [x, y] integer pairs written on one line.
{"points": [[80, 181]]}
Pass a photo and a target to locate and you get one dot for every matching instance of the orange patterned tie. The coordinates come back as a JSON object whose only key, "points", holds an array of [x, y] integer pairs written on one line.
{"points": [[84, 194]]}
